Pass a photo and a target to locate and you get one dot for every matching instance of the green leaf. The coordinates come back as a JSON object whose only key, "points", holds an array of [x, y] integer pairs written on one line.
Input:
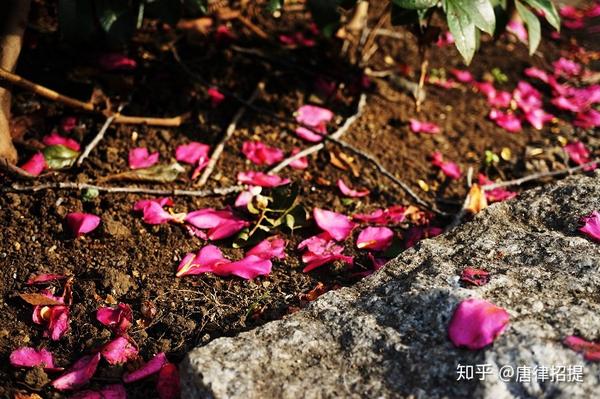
{"points": [[481, 13], [59, 156], [462, 28], [533, 26], [549, 10], [296, 218], [252, 209], [415, 4]]}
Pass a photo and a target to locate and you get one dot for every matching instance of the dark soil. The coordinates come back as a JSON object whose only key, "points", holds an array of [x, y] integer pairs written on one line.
{"points": [[126, 260]]}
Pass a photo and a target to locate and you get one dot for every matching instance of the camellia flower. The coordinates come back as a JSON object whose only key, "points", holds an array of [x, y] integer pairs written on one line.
{"points": [[114, 391], [375, 238], [210, 260], [81, 223], [140, 158], [117, 319], [269, 248], [193, 153], [216, 97], [476, 323], [337, 225], [167, 383], [475, 276], [119, 351], [590, 350], [221, 224], [579, 154], [116, 62], [506, 120], [450, 169], [591, 227], [424, 127], [348, 192], [155, 214], [300, 163], [261, 179], [35, 165], [31, 357], [56, 139], [261, 154], [79, 374], [320, 250], [462, 76]]}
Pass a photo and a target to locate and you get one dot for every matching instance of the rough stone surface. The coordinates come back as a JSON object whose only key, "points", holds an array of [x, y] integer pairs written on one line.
{"points": [[387, 336]]}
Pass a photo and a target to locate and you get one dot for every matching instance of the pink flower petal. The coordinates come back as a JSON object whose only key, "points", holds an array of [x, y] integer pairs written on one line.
{"points": [[475, 276], [311, 137], [56, 139], [67, 124], [114, 391], [444, 39], [591, 228], [348, 192], [116, 62], [450, 169], [243, 199], [462, 76], [476, 323], [167, 384], [391, 215], [216, 97], [222, 224], [300, 163], [261, 154], [151, 367], [141, 204], [35, 165], [497, 194], [375, 238], [269, 248], [58, 322], [538, 117], [590, 350], [140, 158], [192, 153], [205, 261], [117, 319], [537, 73], [516, 27], [337, 225], [226, 229], [588, 119], [313, 116], [79, 374], [119, 351], [248, 268], [261, 179], [155, 214], [527, 97], [45, 278], [577, 152], [31, 357], [313, 260], [508, 121], [81, 223], [424, 127], [320, 250], [566, 67]]}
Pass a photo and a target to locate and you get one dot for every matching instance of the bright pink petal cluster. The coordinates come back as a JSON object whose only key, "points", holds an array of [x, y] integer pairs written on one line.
{"points": [[261, 154], [194, 153], [261, 179], [118, 319], [31, 357], [392, 215], [314, 117], [579, 154], [320, 250], [450, 169], [79, 374], [140, 158]]}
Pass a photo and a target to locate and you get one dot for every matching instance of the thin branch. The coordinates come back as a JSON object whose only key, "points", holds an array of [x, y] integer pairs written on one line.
{"points": [[151, 121], [216, 154], [127, 189], [98, 137], [536, 176], [13, 170]]}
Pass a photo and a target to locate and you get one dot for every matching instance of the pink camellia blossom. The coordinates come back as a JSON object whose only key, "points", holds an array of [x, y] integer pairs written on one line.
{"points": [[506, 120], [590, 350], [140, 205], [167, 383], [588, 119], [591, 226], [312, 115], [56, 139], [221, 224], [155, 214], [320, 250], [538, 117], [140, 158], [424, 127], [537, 73], [300, 163], [119, 351], [391, 215], [210, 260], [216, 97], [55, 318], [116, 62], [496, 194], [348, 192], [114, 391], [31, 357], [261, 179], [81, 223], [79, 374], [475, 276], [516, 27], [337, 225], [450, 169], [527, 97], [462, 76], [579, 154], [153, 366], [269, 248], [35, 165], [375, 238], [192, 153], [476, 323], [118, 319], [261, 154], [45, 278], [566, 67]]}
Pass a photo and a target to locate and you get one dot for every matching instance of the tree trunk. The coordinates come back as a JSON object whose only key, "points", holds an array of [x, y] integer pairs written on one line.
{"points": [[13, 20]]}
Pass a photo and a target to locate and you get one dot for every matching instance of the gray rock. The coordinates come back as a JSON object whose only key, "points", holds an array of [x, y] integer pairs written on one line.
{"points": [[387, 336]]}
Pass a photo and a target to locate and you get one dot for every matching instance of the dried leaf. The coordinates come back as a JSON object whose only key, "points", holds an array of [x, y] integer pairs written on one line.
{"points": [[336, 161], [39, 300], [476, 200], [157, 173]]}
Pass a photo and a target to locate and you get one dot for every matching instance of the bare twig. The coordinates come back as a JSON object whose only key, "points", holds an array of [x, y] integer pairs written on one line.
{"points": [[127, 189], [151, 121], [99, 136], [535, 176], [228, 133]]}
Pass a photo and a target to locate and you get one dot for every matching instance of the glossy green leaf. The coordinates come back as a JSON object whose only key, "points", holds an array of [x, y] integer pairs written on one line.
{"points": [[549, 10], [59, 156], [534, 32], [462, 28], [481, 13], [415, 4]]}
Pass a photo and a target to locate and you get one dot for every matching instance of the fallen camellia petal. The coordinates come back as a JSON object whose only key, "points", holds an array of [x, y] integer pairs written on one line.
{"points": [[320, 250], [45, 278], [375, 238], [591, 226], [300, 163], [119, 351], [245, 197], [192, 153], [476, 323], [31, 357], [222, 224], [424, 127], [450, 169], [151, 367], [216, 97], [537, 73], [247, 268], [261, 179], [475, 276], [391, 215], [140, 158], [116, 62], [590, 350], [205, 261], [496, 194], [579, 154], [81, 223], [537, 118], [117, 319], [35, 165], [261, 154], [337, 225], [311, 136], [506, 120], [462, 76], [155, 214], [56, 139], [566, 67], [167, 384], [269, 248], [348, 192], [517, 28], [141, 204], [79, 374], [114, 391], [66, 125], [588, 119], [313, 116], [58, 322]]}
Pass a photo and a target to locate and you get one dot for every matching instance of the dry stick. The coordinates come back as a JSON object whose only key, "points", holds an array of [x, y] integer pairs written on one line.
{"points": [[98, 137], [535, 176], [216, 154], [127, 189], [13, 170]]}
